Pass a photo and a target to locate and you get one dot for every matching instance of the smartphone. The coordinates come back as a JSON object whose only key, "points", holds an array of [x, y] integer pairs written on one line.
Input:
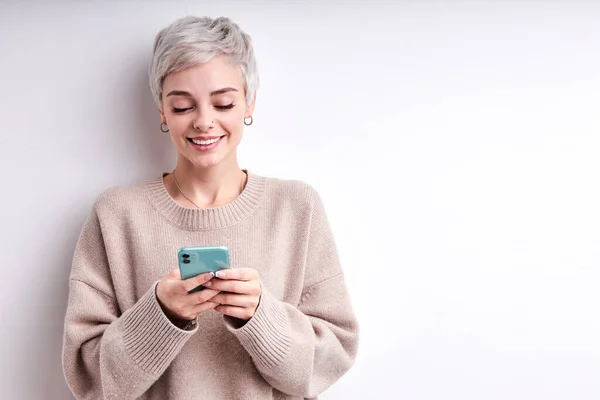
{"points": [[200, 260]]}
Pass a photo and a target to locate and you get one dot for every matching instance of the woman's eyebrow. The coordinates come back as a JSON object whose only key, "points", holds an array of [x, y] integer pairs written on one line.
{"points": [[224, 90], [188, 94], [179, 93]]}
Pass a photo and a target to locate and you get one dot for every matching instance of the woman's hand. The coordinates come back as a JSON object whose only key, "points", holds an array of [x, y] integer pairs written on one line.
{"points": [[177, 303], [240, 292]]}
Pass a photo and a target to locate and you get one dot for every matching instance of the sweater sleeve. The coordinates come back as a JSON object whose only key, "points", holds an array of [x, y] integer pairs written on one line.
{"points": [[302, 349], [108, 354]]}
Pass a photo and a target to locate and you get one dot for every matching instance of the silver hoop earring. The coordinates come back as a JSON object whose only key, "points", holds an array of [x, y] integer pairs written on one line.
{"points": [[164, 128], [248, 123]]}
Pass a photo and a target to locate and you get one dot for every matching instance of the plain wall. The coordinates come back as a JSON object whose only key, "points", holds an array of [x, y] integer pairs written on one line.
{"points": [[455, 144]]}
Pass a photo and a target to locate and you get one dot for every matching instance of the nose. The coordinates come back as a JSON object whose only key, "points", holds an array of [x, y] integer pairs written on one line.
{"points": [[203, 122]]}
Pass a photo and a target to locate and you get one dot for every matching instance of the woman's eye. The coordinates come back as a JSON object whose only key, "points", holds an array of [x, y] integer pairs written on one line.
{"points": [[227, 107], [180, 110]]}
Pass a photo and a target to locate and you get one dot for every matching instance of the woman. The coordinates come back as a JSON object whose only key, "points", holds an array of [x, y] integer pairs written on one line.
{"points": [[277, 325]]}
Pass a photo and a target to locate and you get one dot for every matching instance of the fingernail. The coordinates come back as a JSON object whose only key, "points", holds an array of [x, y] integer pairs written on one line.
{"points": [[220, 274]]}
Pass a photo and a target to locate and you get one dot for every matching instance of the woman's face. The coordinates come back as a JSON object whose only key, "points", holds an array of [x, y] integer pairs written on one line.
{"points": [[204, 108]]}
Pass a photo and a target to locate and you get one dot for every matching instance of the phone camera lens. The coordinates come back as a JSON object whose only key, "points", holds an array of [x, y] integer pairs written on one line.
{"points": [[186, 261], [186, 256]]}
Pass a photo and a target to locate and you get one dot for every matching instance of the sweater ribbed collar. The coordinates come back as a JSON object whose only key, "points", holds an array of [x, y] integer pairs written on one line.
{"points": [[195, 219]]}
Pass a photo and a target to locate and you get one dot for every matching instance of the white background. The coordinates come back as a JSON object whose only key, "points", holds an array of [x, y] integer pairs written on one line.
{"points": [[456, 146]]}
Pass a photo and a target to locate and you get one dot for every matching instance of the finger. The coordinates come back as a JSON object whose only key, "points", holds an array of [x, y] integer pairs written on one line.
{"points": [[174, 274], [240, 274], [195, 281], [193, 312], [240, 287], [203, 296], [236, 312], [186, 304], [238, 300]]}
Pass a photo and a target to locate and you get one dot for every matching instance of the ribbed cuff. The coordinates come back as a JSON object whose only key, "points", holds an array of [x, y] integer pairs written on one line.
{"points": [[266, 335], [150, 338]]}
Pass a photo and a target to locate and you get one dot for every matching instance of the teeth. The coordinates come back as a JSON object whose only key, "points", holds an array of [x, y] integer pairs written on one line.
{"points": [[205, 142]]}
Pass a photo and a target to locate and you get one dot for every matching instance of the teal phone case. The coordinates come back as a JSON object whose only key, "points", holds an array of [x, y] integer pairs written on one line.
{"points": [[200, 260]]}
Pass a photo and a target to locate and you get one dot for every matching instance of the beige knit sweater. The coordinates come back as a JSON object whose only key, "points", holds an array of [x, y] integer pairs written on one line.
{"points": [[119, 344]]}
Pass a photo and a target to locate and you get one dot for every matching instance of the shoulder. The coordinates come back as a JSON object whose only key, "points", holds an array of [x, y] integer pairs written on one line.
{"points": [[294, 193], [120, 198]]}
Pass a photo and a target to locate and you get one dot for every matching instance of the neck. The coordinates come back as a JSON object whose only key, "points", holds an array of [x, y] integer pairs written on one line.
{"points": [[205, 187]]}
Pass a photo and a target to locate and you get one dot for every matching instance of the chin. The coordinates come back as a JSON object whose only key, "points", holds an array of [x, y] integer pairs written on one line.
{"points": [[205, 161], [210, 159]]}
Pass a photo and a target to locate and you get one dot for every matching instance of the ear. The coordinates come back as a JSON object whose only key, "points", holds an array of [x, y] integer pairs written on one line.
{"points": [[250, 108], [163, 119]]}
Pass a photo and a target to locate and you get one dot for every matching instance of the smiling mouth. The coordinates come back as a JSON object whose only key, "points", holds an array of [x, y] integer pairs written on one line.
{"points": [[204, 142]]}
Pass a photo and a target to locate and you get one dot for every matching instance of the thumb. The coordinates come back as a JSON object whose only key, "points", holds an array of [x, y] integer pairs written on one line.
{"points": [[174, 274]]}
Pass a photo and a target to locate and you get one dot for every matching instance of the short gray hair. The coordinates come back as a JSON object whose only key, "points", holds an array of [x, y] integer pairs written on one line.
{"points": [[190, 41]]}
